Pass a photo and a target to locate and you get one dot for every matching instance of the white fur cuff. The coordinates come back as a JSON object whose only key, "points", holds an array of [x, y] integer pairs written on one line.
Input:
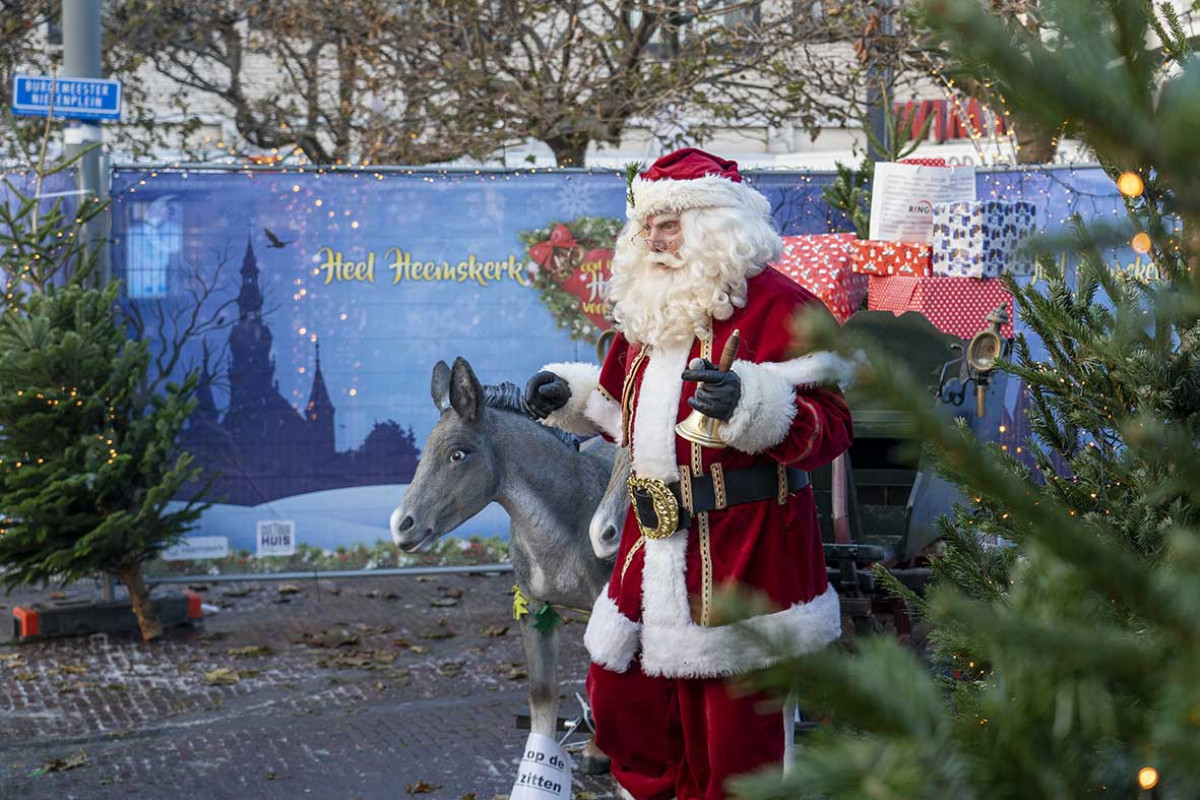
{"points": [[605, 413], [611, 638], [764, 412], [582, 379]]}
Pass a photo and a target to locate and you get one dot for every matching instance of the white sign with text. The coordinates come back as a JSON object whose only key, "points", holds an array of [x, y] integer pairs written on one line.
{"points": [[902, 198], [276, 537], [195, 548], [545, 771]]}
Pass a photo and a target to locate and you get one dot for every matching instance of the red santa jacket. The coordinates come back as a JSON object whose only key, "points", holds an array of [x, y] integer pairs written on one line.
{"points": [[659, 600]]}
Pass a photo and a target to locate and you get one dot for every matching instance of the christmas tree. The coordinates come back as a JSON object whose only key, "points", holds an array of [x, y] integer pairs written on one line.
{"points": [[88, 461], [1066, 665]]}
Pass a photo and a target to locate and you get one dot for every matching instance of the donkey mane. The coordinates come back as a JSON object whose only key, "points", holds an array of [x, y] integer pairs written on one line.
{"points": [[509, 397]]}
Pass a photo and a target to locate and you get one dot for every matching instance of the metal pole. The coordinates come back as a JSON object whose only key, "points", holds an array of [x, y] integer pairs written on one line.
{"points": [[457, 569], [879, 90], [81, 59]]}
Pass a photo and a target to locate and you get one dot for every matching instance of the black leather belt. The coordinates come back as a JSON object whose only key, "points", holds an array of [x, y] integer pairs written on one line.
{"points": [[659, 505]]}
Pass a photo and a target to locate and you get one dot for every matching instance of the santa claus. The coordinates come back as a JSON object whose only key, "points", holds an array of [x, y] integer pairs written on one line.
{"points": [[690, 268]]}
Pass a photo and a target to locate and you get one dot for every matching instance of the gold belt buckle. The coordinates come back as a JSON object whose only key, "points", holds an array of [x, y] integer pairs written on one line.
{"points": [[666, 508]]}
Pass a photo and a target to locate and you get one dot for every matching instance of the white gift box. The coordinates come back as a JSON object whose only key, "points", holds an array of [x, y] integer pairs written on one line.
{"points": [[980, 239]]}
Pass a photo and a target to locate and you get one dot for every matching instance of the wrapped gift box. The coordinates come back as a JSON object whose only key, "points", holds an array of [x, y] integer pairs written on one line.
{"points": [[958, 306], [980, 239], [821, 265], [869, 257]]}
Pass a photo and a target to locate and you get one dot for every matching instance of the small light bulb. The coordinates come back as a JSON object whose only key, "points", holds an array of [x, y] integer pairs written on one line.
{"points": [[1140, 243], [1130, 184], [1147, 777]]}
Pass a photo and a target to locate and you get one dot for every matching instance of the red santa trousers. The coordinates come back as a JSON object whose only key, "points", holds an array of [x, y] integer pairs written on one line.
{"points": [[680, 737]]}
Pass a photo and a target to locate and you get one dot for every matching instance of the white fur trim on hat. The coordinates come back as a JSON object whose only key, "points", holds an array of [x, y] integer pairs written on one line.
{"points": [[611, 638], [582, 379], [764, 413], [712, 191]]}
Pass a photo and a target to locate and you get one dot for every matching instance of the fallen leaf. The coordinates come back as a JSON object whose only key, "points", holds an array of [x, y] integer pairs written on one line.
{"points": [[11, 659], [68, 669], [24, 676], [469, 796], [451, 669], [334, 637], [64, 764], [516, 673], [237, 592], [271, 776], [251, 651], [289, 588], [451, 591], [400, 643], [421, 787], [222, 676], [495, 630], [443, 602], [583, 794], [437, 633], [419, 649], [77, 686], [425, 579]]}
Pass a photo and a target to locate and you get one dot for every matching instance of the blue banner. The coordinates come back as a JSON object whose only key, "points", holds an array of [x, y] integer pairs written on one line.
{"points": [[316, 304]]}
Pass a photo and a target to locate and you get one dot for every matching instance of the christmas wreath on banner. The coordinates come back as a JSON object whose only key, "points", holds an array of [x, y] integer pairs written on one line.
{"points": [[569, 264]]}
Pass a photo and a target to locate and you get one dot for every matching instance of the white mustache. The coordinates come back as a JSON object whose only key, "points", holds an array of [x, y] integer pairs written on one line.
{"points": [[666, 259]]}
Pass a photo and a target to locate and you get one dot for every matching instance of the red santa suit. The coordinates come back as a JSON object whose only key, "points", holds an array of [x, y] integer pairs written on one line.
{"points": [[661, 707]]}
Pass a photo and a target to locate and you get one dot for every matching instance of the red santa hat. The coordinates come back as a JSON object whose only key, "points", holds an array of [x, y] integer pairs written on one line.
{"points": [[692, 178]]}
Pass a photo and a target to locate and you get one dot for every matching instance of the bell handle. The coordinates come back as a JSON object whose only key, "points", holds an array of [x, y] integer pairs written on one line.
{"points": [[730, 351]]}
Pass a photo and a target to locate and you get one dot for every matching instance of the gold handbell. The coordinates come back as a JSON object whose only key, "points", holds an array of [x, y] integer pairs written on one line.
{"points": [[701, 428]]}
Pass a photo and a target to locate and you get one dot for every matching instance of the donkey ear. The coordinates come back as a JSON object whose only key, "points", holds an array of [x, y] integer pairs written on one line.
{"points": [[440, 386], [466, 395]]}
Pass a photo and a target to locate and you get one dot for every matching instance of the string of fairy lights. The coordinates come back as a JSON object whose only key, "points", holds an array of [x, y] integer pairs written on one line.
{"points": [[302, 194]]}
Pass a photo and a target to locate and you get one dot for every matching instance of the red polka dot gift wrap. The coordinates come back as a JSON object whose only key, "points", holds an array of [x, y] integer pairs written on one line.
{"points": [[821, 265], [958, 306]]}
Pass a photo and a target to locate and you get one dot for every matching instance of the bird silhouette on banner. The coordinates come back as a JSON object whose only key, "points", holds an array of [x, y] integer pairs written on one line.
{"points": [[276, 244]]}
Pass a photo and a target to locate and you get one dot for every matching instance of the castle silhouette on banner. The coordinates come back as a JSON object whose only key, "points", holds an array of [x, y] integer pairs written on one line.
{"points": [[262, 448]]}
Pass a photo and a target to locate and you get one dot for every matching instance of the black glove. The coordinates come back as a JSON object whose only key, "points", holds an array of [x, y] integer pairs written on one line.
{"points": [[718, 393], [546, 393]]}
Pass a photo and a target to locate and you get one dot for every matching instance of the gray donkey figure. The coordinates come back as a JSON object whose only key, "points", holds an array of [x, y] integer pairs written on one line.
{"points": [[485, 448]]}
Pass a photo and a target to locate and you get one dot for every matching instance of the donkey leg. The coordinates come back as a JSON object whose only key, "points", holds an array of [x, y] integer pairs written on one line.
{"points": [[593, 761], [541, 656]]}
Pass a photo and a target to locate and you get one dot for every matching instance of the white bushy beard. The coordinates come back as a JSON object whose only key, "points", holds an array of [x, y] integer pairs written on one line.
{"points": [[669, 305]]}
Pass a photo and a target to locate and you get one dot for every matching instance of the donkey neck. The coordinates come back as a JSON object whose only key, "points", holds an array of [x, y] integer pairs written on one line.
{"points": [[540, 480]]}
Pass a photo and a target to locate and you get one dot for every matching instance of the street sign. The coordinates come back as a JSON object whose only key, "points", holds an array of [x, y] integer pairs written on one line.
{"points": [[70, 98]]}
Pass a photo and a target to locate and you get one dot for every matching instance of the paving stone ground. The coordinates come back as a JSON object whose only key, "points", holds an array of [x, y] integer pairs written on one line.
{"points": [[372, 688]]}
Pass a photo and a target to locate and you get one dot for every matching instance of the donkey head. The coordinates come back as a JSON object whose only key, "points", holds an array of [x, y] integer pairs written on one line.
{"points": [[459, 471], [609, 517]]}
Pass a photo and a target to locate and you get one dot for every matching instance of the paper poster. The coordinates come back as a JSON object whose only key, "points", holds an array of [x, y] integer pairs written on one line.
{"points": [[902, 198], [545, 771]]}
